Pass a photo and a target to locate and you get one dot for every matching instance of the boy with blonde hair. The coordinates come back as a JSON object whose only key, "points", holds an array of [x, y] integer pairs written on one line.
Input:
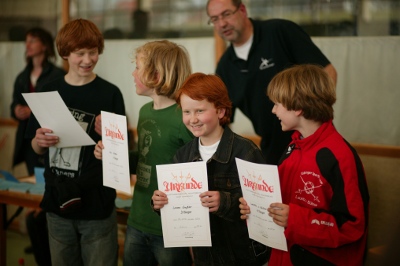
{"points": [[161, 68]]}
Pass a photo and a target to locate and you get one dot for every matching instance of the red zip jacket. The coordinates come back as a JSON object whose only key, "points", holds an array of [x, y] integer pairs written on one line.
{"points": [[323, 181]]}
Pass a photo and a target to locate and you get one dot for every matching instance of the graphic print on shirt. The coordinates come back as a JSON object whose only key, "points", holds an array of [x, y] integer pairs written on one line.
{"points": [[66, 161], [266, 63], [308, 192], [148, 131]]}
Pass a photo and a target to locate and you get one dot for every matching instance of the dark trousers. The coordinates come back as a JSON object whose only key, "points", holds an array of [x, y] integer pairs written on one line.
{"points": [[37, 230]]}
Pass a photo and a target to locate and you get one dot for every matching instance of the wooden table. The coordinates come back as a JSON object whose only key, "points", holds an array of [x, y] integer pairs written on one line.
{"points": [[29, 201]]}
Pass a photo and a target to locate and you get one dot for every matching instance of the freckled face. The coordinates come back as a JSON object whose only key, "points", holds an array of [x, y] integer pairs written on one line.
{"points": [[83, 61], [202, 118]]}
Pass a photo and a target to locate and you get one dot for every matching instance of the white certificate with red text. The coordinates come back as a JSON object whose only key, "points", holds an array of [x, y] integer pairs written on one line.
{"points": [[185, 222], [115, 153], [261, 187]]}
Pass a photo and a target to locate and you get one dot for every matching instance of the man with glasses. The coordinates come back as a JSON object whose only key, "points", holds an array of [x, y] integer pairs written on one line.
{"points": [[258, 51]]}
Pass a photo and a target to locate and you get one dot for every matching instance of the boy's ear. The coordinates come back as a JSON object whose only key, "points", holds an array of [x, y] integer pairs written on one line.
{"points": [[221, 112], [298, 112]]}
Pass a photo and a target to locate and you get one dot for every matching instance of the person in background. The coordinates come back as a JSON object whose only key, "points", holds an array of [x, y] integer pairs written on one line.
{"points": [[206, 109], [258, 51], [39, 70], [81, 213], [36, 225], [161, 69], [325, 199]]}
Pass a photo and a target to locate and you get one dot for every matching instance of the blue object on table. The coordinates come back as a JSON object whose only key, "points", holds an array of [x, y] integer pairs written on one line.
{"points": [[39, 171], [8, 176], [12, 184], [37, 189], [21, 187]]}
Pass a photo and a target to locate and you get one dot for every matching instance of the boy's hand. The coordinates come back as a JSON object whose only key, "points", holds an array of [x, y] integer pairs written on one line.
{"points": [[98, 150], [244, 209], [211, 200], [279, 213], [45, 138], [159, 199], [97, 124]]}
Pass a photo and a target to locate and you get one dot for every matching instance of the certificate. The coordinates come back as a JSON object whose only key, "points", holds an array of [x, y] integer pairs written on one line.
{"points": [[115, 153], [185, 222], [260, 187], [52, 113]]}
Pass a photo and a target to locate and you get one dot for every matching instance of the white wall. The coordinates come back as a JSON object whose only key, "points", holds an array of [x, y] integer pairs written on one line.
{"points": [[367, 109]]}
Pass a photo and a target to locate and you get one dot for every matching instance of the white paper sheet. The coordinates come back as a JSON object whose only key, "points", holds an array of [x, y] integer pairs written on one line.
{"points": [[260, 187], [185, 222], [115, 153], [52, 113]]}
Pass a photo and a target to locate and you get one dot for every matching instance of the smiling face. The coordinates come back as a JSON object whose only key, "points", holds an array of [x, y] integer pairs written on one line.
{"points": [[202, 119], [289, 119], [82, 63]]}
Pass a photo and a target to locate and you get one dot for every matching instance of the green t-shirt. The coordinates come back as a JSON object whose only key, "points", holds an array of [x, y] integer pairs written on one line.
{"points": [[160, 134]]}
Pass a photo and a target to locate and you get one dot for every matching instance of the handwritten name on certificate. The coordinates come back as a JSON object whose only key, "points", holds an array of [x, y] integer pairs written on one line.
{"points": [[115, 153], [185, 222], [261, 187]]}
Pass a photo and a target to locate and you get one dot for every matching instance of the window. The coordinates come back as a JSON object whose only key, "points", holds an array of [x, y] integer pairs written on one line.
{"points": [[187, 18]]}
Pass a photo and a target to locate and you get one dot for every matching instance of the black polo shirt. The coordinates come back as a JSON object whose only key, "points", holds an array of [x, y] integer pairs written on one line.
{"points": [[277, 44]]}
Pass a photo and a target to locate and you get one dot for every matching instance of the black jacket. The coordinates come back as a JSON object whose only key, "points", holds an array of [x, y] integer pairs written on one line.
{"points": [[231, 244], [21, 85]]}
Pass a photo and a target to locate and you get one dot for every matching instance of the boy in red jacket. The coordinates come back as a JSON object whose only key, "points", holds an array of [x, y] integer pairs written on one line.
{"points": [[325, 198]]}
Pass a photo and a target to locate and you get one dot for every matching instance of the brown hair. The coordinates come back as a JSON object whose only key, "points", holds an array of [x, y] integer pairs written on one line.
{"points": [[165, 66], [79, 34], [46, 39], [211, 88], [304, 87]]}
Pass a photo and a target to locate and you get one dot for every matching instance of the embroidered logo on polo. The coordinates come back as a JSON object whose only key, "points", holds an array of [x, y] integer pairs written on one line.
{"points": [[266, 63], [287, 153], [311, 182], [290, 148]]}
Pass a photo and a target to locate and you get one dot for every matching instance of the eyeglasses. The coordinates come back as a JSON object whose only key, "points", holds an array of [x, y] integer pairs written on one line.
{"points": [[225, 15]]}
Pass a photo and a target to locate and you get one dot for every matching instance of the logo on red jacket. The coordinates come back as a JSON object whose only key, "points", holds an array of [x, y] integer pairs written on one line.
{"points": [[308, 192]]}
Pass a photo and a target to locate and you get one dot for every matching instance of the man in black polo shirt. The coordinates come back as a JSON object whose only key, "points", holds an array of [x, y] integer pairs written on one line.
{"points": [[258, 51]]}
